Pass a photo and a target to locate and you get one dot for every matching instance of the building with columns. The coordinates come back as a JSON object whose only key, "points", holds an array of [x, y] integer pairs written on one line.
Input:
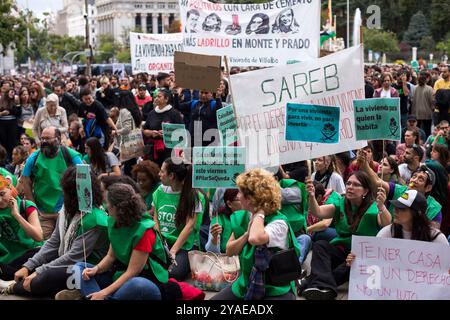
{"points": [[151, 16]]}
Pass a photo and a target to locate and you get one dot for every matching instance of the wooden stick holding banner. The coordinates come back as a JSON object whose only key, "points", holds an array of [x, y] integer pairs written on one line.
{"points": [[84, 193]]}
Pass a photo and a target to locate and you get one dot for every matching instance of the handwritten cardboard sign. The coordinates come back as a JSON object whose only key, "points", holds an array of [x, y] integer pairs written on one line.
{"points": [[197, 71], [397, 269]]}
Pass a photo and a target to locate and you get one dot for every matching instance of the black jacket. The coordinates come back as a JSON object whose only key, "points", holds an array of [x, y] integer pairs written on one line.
{"points": [[69, 103]]}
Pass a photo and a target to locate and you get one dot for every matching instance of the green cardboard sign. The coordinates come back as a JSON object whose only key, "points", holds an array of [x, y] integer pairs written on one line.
{"points": [[84, 188], [217, 167], [227, 125], [172, 132], [377, 119]]}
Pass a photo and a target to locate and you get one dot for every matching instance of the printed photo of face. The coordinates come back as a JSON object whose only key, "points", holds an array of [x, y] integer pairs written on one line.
{"points": [[192, 18], [259, 24], [285, 22], [212, 23]]}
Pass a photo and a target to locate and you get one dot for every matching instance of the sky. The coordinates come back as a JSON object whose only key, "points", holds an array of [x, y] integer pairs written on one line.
{"points": [[40, 6]]}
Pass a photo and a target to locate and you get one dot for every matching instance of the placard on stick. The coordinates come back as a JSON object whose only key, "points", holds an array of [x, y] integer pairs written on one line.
{"points": [[227, 125], [197, 71], [312, 123], [377, 119], [84, 188], [172, 132]]}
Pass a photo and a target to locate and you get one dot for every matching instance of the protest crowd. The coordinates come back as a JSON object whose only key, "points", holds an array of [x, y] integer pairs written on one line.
{"points": [[147, 218]]}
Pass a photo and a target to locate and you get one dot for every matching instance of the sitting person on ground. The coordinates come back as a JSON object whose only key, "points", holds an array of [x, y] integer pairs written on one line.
{"points": [[178, 212], [388, 171], [326, 174], [259, 228], [357, 213], [136, 259], [20, 232], [77, 237], [102, 163], [146, 174], [410, 222], [412, 157]]}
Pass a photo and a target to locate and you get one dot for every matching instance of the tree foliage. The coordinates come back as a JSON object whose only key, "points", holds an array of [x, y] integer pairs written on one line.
{"points": [[417, 30], [380, 41]]}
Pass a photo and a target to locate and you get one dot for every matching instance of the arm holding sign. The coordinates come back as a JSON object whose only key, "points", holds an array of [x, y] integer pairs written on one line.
{"points": [[326, 211], [363, 164]]}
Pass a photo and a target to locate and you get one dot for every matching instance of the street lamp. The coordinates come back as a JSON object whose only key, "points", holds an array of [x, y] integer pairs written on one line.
{"points": [[88, 45]]}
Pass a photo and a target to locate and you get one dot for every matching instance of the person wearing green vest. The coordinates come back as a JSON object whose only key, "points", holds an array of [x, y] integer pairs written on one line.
{"points": [[259, 225], [220, 228], [357, 213], [8, 176], [178, 212], [422, 180], [76, 238], [146, 174], [134, 263], [20, 230], [42, 174]]}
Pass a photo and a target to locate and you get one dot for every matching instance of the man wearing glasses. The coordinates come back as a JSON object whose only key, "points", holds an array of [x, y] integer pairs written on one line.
{"points": [[42, 173]]}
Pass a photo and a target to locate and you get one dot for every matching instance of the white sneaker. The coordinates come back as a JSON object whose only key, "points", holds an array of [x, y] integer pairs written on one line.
{"points": [[5, 284]]}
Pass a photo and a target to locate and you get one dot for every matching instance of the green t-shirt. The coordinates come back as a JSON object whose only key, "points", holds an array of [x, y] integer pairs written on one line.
{"points": [[440, 140], [165, 202], [8, 176], [433, 207], [14, 241], [368, 225], [225, 223]]}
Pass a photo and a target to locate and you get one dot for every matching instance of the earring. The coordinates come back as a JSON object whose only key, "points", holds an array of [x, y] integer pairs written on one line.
{"points": [[364, 197]]}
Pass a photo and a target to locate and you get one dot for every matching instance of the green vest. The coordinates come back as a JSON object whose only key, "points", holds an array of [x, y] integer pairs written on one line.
{"points": [[47, 174], [149, 197], [333, 198], [433, 207], [8, 175], [239, 224], [14, 241], [225, 223], [296, 213], [166, 207], [368, 225], [124, 239], [96, 218]]}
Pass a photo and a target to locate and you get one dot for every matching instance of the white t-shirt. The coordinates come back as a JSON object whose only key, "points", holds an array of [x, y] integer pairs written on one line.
{"points": [[385, 93], [278, 234], [386, 233], [405, 173], [336, 183]]}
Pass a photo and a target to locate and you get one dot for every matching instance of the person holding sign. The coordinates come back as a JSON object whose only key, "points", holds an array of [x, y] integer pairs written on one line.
{"points": [[410, 222], [76, 238], [178, 212], [20, 232], [163, 112], [260, 225], [422, 180], [357, 213], [136, 254]]}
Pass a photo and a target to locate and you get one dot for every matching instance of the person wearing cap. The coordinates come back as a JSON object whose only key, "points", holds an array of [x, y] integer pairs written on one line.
{"points": [[410, 222], [51, 116], [411, 124], [413, 155], [422, 180], [142, 97]]}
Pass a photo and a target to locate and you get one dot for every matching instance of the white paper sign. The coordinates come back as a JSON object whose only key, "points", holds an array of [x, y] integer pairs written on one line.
{"points": [[397, 269], [258, 34], [153, 53], [261, 96]]}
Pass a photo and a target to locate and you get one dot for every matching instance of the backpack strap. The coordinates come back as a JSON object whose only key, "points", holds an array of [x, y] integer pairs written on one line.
{"points": [[194, 104], [213, 104], [67, 157]]}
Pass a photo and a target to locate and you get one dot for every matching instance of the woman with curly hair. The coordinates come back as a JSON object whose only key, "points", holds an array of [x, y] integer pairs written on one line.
{"points": [[76, 237], [259, 224], [134, 263], [146, 174], [178, 212]]}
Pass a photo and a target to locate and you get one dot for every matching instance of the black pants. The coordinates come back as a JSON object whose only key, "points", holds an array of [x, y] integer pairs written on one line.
{"points": [[181, 271], [328, 268], [227, 294], [45, 284], [7, 271], [8, 135], [425, 125]]}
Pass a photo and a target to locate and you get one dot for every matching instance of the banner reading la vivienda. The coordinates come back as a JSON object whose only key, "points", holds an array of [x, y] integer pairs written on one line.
{"points": [[261, 96], [398, 269], [153, 53], [266, 34]]}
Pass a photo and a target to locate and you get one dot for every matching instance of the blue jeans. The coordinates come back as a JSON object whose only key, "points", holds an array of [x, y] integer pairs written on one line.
{"points": [[328, 234], [136, 288], [304, 241]]}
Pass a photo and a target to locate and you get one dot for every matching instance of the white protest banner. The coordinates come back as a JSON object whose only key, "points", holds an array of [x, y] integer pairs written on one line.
{"points": [[260, 99], [153, 53], [398, 269], [258, 34]]}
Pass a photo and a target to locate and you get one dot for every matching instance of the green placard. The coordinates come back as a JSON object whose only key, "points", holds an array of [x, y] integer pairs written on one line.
{"points": [[227, 125], [377, 119], [172, 133], [217, 167], [84, 188]]}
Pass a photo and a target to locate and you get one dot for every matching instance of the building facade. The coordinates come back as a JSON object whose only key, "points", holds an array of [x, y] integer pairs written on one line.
{"points": [[118, 16]]}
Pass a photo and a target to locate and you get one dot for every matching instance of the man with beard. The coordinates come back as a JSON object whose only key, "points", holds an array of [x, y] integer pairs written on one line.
{"points": [[412, 158], [42, 173]]}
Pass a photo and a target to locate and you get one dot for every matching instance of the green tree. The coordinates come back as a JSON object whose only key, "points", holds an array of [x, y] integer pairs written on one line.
{"points": [[439, 19], [381, 41], [107, 48], [12, 26], [427, 43], [417, 30]]}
